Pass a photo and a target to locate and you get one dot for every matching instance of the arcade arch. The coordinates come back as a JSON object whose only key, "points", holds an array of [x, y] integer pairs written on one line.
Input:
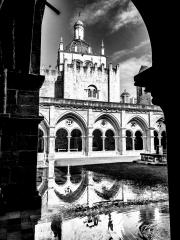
{"points": [[70, 134], [160, 138], [136, 134], [43, 134], [105, 133]]}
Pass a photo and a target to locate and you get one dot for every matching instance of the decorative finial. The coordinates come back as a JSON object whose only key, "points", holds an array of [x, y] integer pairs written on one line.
{"points": [[102, 44], [61, 44]]}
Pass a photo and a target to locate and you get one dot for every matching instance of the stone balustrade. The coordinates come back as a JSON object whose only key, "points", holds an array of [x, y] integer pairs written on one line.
{"points": [[98, 105]]}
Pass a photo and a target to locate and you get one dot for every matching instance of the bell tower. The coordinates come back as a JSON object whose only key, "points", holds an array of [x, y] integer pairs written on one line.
{"points": [[79, 30]]}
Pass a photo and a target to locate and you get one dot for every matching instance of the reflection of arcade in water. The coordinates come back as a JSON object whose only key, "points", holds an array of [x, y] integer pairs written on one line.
{"points": [[85, 203], [73, 186], [84, 188]]}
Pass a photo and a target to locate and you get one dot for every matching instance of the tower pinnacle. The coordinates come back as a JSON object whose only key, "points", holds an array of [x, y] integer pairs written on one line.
{"points": [[61, 44], [102, 48]]}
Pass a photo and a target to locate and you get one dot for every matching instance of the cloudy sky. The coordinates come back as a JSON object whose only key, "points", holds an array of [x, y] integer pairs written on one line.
{"points": [[116, 22]]}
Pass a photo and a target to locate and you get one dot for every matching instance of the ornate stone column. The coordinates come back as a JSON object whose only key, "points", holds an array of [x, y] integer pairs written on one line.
{"points": [[133, 142], [46, 147], [90, 144], [116, 138], [103, 143], [69, 141], [123, 141], [51, 157], [83, 144], [144, 137], [150, 141]]}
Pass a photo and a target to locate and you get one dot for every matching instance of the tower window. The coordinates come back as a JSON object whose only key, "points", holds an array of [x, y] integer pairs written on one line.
{"points": [[93, 92]]}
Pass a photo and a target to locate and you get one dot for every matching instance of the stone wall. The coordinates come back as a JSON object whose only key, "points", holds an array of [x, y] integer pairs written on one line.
{"points": [[77, 80], [19, 139]]}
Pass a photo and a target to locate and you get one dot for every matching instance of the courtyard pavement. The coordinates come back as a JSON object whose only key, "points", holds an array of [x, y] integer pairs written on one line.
{"points": [[94, 160]]}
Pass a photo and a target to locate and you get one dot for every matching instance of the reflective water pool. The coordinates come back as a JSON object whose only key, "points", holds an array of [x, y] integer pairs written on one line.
{"points": [[89, 205], [125, 224]]}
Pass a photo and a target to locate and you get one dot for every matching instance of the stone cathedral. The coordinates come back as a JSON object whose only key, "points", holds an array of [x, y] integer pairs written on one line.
{"points": [[85, 114]]}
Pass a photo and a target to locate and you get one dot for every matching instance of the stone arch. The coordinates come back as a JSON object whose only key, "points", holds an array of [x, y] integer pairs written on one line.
{"points": [[161, 125], [44, 126], [161, 119], [88, 62], [92, 91], [140, 121], [77, 118], [113, 121], [78, 63]]}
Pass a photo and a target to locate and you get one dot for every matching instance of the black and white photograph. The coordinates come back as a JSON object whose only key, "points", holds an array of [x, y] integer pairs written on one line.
{"points": [[83, 122]]}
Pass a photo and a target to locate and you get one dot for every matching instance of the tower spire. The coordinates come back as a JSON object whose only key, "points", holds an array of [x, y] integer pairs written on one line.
{"points": [[61, 44]]}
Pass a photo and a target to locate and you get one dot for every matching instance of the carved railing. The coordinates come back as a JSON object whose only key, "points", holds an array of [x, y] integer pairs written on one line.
{"points": [[98, 104]]}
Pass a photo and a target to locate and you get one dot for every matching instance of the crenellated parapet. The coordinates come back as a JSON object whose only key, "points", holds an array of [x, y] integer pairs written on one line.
{"points": [[51, 77], [48, 71], [76, 77], [91, 68]]}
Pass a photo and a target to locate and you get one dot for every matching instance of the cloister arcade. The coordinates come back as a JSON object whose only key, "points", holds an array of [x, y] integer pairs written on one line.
{"points": [[105, 136]]}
